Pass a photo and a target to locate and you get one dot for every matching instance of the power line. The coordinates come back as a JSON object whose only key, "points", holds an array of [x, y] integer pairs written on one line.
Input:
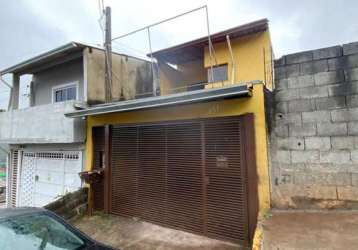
{"points": [[100, 7], [5, 82], [100, 20]]}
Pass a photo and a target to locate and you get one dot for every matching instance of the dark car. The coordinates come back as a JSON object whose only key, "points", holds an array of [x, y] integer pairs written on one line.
{"points": [[40, 229]]}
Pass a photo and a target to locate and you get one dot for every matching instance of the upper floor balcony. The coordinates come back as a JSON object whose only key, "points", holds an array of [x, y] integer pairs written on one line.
{"points": [[232, 57], [41, 124], [224, 65]]}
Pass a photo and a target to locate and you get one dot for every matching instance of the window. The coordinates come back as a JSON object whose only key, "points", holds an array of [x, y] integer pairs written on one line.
{"points": [[38, 231], [219, 73], [65, 93]]}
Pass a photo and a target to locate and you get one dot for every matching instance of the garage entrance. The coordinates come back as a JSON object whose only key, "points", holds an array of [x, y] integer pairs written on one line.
{"points": [[193, 175], [46, 175]]}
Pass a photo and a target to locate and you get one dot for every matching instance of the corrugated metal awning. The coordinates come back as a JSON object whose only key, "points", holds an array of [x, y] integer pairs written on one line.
{"points": [[168, 100]]}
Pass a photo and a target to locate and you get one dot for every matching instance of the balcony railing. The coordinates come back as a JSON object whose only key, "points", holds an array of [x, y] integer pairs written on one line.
{"points": [[41, 124]]}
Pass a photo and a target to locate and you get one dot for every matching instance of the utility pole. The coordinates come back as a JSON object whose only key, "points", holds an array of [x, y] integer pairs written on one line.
{"points": [[108, 55]]}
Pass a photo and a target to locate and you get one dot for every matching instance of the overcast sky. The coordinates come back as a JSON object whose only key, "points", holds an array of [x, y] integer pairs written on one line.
{"points": [[31, 27]]}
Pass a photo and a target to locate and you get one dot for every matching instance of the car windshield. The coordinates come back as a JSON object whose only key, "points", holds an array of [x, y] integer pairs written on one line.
{"points": [[37, 232]]}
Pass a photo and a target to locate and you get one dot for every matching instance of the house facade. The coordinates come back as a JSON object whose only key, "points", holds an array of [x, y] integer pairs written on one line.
{"points": [[193, 157], [46, 149]]}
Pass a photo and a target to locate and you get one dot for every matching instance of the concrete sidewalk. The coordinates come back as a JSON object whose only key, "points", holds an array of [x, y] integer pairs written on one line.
{"points": [[328, 230], [127, 233]]}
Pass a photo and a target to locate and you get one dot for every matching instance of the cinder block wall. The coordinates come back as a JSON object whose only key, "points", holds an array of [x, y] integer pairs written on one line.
{"points": [[314, 140]]}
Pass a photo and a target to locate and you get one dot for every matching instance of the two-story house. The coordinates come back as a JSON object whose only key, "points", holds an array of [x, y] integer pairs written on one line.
{"points": [[193, 157], [46, 148]]}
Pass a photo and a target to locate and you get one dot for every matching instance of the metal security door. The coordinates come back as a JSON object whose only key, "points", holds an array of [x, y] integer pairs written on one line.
{"points": [[191, 175], [46, 176], [185, 207], [226, 196]]}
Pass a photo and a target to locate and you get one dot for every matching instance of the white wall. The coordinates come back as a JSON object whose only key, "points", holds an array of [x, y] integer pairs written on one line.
{"points": [[41, 124], [65, 73]]}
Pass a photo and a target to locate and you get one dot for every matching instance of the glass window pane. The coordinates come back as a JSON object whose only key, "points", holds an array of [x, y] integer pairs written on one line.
{"points": [[71, 93], [219, 73], [37, 231], [65, 94], [58, 96]]}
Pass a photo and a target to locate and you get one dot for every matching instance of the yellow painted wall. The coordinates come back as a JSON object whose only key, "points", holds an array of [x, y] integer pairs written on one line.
{"points": [[230, 107], [252, 58], [252, 61]]}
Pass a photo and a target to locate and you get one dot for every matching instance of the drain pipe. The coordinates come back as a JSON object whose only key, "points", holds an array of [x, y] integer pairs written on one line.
{"points": [[232, 59], [10, 87], [5, 82]]}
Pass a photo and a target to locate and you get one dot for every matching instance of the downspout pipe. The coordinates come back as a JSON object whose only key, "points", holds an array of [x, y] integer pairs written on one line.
{"points": [[4, 150], [5, 82], [10, 87], [232, 59]]}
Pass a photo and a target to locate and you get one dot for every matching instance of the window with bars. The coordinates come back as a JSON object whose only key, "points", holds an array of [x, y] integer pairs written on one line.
{"points": [[65, 93]]}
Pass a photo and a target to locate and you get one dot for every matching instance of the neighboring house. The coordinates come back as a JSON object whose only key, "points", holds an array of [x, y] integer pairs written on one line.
{"points": [[46, 148], [195, 156]]}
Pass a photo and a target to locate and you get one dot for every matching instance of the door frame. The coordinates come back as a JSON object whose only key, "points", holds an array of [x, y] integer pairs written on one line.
{"points": [[107, 168], [249, 160]]}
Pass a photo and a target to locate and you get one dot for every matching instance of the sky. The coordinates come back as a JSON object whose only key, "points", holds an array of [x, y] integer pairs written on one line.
{"points": [[32, 27]]}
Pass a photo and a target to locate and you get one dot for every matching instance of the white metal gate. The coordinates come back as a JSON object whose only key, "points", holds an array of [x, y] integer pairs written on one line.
{"points": [[12, 176], [27, 187], [45, 176]]}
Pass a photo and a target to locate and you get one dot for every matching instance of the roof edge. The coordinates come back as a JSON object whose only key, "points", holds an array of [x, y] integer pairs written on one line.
{"points": [[57, 50], [240, 28], [35, 59]]}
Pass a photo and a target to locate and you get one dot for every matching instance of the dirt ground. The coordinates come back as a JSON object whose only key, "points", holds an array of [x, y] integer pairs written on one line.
{"points": [[126, 233], [311, 230]]}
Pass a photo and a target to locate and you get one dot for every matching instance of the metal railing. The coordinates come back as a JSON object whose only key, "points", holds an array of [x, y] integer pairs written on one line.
{"points": [[152, 59]]}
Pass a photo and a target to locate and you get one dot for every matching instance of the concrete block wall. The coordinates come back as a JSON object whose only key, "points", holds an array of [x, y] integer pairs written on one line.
{"points": [[314, 140]]}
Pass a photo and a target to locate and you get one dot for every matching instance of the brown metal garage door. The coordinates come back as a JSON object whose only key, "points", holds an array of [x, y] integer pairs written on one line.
{"points": [[196, 175]]}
